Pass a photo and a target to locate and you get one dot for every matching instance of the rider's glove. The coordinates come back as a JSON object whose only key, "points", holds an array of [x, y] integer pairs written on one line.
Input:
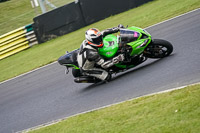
{"points": [[115, 29], [120, 26]]}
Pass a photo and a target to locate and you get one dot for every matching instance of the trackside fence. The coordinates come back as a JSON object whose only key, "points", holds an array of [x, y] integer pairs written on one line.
{"points": [[17, 40]]}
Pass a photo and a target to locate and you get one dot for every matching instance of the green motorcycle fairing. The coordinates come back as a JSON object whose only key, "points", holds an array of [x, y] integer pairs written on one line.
{"points": [[143, 39], [110, 47], [138, 40]]}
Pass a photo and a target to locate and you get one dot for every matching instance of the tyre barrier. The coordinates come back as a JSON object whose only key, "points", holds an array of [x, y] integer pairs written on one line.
{"points": [[17, 40]]}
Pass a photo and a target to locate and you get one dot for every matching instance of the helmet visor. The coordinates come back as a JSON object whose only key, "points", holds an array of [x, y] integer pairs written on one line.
{"points": [[98, 40]]}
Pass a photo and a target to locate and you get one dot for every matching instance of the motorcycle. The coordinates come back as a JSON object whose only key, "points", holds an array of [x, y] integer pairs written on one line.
{"points": [[135, 43]]}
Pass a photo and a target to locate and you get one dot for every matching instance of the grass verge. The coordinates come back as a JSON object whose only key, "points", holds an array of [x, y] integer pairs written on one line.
{"points": [[172, 112], [143, 16]]}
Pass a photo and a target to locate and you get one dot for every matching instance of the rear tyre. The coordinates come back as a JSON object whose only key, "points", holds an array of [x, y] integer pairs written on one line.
{"points": [[158, 49]]}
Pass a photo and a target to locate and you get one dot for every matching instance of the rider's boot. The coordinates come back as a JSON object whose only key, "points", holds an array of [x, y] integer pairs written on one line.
{"points": [[108, 78]]}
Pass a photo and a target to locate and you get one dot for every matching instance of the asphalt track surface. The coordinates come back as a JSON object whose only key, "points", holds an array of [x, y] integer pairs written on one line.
{"points": [[48, 94]]}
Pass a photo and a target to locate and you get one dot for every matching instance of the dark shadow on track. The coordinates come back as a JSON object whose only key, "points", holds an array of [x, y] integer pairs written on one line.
{"points": [[142, 67], [130, 71]]}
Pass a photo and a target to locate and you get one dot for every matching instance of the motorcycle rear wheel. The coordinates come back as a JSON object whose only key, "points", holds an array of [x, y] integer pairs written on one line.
{"points": [[158, 49]]}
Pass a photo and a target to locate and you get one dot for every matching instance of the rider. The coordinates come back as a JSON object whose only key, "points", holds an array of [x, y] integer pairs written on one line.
{"points": [[88, 55]]}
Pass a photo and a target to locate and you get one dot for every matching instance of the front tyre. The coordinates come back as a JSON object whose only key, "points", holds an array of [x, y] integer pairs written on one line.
{"points": [[158, 48], [76, 72]]}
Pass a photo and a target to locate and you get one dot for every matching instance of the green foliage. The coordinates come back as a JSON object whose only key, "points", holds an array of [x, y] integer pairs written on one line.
{"points": [[173, 112], [143, 16]]}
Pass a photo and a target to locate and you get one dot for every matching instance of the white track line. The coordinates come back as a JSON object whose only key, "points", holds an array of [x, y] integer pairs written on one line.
{"points": [[56, 61], [60, 120]]}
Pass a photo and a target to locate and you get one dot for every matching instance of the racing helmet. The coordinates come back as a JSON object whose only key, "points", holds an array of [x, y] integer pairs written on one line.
{"points": [[94, 37]]}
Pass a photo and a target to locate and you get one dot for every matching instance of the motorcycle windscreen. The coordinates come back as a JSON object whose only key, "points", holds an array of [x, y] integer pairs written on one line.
{"points": [[69, 58], [110, 47], [127, 36]]}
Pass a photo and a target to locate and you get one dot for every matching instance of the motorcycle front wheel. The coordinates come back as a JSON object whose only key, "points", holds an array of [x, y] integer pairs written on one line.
{"points": [[76, 73], [158, 48]]}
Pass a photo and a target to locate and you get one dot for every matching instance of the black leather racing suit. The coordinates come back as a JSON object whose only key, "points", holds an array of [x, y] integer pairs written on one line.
{"points": [[88, 56]]}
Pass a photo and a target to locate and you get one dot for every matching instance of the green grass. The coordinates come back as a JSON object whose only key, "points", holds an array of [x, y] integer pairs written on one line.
{"points": [[173, 112], [48, 52], [15, 14]]}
